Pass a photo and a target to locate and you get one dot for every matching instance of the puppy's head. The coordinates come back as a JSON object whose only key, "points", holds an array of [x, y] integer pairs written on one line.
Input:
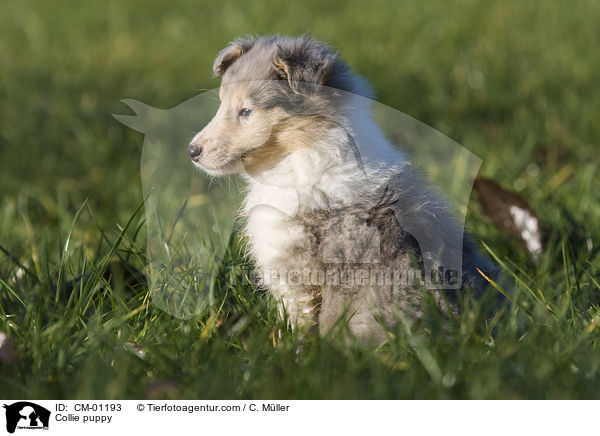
{"points": [[277, 96]]}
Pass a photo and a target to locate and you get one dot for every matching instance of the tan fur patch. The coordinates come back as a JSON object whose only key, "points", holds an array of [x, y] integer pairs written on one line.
{"points": [[280, 65], [289, 135]]}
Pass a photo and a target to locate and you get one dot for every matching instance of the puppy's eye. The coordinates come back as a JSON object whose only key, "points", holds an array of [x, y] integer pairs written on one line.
{"points": [[244, 112]]}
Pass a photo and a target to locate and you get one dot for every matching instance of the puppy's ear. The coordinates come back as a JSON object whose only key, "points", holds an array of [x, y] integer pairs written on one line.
{"points": [[230, 54], [304, 62]]}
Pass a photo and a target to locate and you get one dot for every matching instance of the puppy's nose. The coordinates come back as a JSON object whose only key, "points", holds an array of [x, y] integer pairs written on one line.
{"points": [[194, 151]]}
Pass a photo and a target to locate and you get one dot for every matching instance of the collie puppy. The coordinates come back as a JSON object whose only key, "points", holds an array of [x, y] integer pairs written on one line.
{"points": [[338, 239]]}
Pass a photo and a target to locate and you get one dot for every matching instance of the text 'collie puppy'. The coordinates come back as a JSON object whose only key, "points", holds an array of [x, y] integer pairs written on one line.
{"points": [[319, 218]]}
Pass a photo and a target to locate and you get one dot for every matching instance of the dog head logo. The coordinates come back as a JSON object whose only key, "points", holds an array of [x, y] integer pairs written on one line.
{"points": [[26, 415]]}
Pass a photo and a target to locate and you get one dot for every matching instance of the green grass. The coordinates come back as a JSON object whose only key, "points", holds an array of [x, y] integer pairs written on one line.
{"points": [[515, 83]]}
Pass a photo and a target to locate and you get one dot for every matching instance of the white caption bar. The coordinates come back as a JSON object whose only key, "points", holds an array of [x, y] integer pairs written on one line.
{"points": [[298, 417]]}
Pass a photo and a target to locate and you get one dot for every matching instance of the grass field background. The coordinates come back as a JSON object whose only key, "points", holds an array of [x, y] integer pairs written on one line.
{"points": [[514, 82]]}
